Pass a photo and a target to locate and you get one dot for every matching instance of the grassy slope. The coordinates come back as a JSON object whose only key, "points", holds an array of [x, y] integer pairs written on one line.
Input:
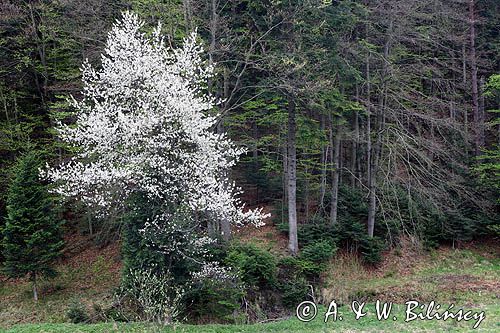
{"points": [[470, 278], [87, 274]]}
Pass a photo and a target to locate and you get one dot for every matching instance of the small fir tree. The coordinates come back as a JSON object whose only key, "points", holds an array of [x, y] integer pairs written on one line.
{"points": [[31, 237]]}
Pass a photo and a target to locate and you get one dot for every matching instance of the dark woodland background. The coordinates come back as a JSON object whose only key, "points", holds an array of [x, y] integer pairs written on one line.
{"points": [[374, 121]]}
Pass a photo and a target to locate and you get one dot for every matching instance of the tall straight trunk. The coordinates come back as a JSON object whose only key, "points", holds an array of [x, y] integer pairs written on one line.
{"points": [[464, 82], [213, 26], [306, 192], [293, 244], [335, 140], [223, 225], [377, 151], [482, 114], [368, 121], [35, 287], [188, 15], [372, 206], [371, 182], [341, 161], [369, 168], [324, 151], [478, 139], [354, 147], [374, 159]]}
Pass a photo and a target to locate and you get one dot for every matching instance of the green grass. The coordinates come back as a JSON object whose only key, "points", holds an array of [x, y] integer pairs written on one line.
{"points": [[349, 324], [447, 276]]}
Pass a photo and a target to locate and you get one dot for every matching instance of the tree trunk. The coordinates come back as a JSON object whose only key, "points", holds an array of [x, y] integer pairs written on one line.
{"points": [[478, 139], [35, 287], [374, 159], [372, 205], [225, 229], [214, 24], [89, 219], [482, 114], [324, 151], [355, 143], [335, 142], [464, 82], [293, 245], [369, 169], [306, 192], [188, 15], [368, 122]]}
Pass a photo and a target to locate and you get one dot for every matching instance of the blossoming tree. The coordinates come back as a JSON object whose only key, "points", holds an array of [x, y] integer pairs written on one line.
{"points": [[145, 125]]}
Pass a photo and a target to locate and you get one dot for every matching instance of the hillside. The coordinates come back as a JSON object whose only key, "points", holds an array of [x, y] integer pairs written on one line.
{"points": [[468, 277]]}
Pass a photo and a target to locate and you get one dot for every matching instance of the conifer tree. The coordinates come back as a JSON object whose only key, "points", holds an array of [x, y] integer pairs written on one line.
{"points": [[31, 236]]}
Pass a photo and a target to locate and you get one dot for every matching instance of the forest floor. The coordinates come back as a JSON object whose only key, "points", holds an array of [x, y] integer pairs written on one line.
{"points": [[468, 277]]}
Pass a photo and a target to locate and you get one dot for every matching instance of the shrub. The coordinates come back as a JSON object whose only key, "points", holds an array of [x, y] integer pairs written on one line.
{"points": [[154, 296], [293, 284], [371, 250], [300, 268], [255, 266], [318, 252], [320, 230], [212, 301], [352, 203], [214, 295], [293, 292], [312, 233], [77, 313]]}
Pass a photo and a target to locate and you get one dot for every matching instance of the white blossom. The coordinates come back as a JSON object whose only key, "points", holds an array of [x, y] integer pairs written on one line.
{"points": [[213, 271], [145, 124]]}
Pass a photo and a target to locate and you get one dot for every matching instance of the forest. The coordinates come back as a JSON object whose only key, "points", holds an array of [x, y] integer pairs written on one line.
{"points": [[233, 165]]}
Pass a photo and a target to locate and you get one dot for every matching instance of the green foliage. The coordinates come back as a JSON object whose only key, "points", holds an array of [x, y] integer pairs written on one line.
{"points": [[319, 252], [32, 235], [371, 250], [293, 292], [213, 300], [169, 13], [298, 268], [139, 253], [313, 258], [260, 173], [77, 313], [154, 296], [493, 85], [136, 253], [294, 274], [352, 203], [322, 231], [488, 167], [495, 229], [255, 266]]}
